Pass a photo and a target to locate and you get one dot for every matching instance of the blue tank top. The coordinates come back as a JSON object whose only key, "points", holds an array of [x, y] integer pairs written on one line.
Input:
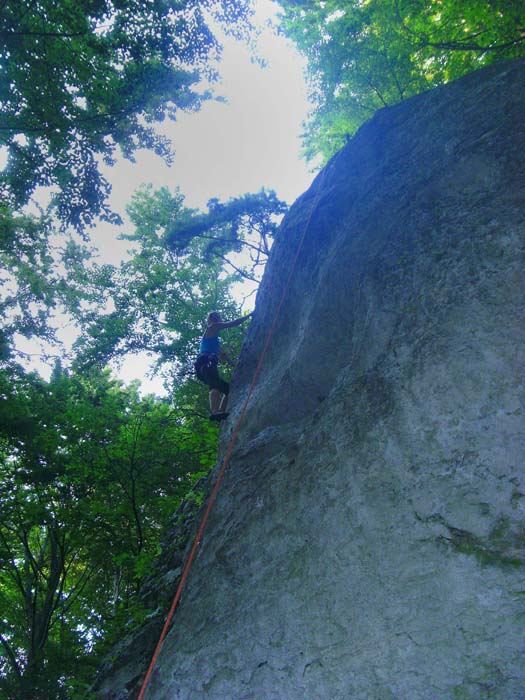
{"points": [[210, 345]]}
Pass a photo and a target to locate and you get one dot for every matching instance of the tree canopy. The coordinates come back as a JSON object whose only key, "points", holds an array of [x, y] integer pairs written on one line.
{"points": [[90, 473], [41, 274], [242, 224], [80, 79], [366, 55]]}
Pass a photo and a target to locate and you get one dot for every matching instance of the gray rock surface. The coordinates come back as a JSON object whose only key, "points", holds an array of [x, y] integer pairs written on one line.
{"points": [[368, 539]]}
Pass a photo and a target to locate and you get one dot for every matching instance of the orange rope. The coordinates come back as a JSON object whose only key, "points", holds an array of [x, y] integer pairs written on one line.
{"points": [[227, 457]]}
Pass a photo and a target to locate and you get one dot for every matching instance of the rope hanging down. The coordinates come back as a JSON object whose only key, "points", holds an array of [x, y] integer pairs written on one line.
{"points": [[229, 451]]}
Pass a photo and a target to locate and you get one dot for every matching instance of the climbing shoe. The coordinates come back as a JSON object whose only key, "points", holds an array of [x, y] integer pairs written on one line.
{"points": [[218, 416]]}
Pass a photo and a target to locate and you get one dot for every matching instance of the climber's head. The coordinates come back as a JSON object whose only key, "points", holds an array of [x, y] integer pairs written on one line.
{"points": [[214, 317]]}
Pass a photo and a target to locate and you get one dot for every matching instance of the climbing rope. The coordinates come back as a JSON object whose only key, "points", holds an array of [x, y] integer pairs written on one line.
{"points": [[229, 451]]}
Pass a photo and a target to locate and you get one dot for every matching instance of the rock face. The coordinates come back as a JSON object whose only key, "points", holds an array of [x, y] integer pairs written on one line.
{"points": [[368, 539]]}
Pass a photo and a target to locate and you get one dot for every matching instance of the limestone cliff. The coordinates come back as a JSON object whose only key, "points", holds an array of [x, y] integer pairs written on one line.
{"points": [[368, 538]]}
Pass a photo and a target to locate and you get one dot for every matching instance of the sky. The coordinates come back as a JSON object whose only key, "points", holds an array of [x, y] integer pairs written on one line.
{"points": [[250, 140]]}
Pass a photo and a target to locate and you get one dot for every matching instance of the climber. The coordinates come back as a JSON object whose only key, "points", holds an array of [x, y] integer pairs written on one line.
{"points": [[208, 358]]}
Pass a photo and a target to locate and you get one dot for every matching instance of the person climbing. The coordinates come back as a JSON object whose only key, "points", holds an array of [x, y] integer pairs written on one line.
{"points": [[206, 364]]}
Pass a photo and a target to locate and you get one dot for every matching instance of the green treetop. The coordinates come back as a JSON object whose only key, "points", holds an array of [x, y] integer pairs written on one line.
{"points": [[364, 55], [81, 78]]}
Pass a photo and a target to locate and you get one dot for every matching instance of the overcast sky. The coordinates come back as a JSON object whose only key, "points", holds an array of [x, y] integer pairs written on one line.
{"points": [[248, 141], [251, 140]]}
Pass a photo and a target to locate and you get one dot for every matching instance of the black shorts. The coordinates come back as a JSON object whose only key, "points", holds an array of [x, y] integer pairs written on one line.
{"points": [[207, 371]]}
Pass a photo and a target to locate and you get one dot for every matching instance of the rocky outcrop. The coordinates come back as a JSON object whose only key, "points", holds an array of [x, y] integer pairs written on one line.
{"points": [[368, 538]]}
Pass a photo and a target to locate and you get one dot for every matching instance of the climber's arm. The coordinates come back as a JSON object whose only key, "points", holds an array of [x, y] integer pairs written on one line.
{"points": [[231, 324]]}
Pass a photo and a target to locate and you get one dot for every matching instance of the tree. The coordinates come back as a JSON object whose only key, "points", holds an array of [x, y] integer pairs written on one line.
{"points": [[159, 298], [90, 472], [89, 476], [80, 79], [243, 224], [42, 275], [27, 281], [366, 55]]}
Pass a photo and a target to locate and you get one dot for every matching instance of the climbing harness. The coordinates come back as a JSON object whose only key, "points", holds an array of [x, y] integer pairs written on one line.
{"points": [[229, 451], [205, 362]]}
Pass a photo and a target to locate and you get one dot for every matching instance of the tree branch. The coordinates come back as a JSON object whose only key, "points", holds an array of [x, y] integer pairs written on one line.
{"points": [[15, 573], [12, 656], [228, 240], [466, 45], [243, 273], [6, 33], [460, 46]]}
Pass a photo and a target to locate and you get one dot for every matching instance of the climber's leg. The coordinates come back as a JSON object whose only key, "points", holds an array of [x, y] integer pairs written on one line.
{"points": [[219, 400], [218, 406], [215, 401], [219, 389]]}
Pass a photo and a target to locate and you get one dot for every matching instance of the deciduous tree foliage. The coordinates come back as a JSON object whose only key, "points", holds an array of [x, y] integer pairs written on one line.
{"points": [[81, 78], [89, 471], [157, 300], [41, 274], [367, 54], [89, 474]]}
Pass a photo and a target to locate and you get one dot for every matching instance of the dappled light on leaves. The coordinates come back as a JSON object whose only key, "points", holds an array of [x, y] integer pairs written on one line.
{"points": [[363, 56]]}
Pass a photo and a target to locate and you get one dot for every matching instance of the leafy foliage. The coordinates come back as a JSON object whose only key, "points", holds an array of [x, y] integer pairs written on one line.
{"points": [[160, 297], [81, 78], [243, 224], [366, 55], [89, 475], [27, 281], [43, 275], [90, 472]]}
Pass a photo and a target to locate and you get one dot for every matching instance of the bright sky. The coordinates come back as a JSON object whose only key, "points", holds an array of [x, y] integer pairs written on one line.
{"points": [[229, 148], [251, 140]]}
